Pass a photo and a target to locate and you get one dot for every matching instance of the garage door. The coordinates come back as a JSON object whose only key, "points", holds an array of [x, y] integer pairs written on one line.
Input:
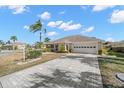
{"points": [[85, 48]]}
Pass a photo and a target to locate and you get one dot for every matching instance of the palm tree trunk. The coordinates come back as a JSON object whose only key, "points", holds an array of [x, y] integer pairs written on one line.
{"points": [[40, 37]]}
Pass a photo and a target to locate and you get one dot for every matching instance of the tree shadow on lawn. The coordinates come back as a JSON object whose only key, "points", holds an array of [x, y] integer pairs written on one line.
{"points": [[109, 67], [110, 60], [61, 78]]}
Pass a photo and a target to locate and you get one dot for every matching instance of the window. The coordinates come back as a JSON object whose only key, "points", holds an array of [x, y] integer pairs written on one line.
{"points": [[90, 46], [94, 47], [87, 46]]}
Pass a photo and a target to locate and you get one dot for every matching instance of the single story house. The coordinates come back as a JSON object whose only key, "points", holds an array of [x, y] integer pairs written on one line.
{"points": [[114, 44], [19, 45], [76, 44], [15, 45], [117, 44]]}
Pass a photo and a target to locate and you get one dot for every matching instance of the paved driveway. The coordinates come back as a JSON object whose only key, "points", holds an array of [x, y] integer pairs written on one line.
{"points": [[73, 70]]}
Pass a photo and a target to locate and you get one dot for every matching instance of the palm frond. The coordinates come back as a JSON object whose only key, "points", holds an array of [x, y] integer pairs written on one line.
{"points": [[37, 26]]}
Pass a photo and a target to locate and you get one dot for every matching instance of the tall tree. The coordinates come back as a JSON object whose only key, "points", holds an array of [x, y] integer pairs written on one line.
{"points": [[37, 26], [13, 38], [46, 39]]}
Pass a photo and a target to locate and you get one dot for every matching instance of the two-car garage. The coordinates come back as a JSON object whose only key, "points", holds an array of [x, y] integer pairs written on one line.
{"points": [[85, 47]]}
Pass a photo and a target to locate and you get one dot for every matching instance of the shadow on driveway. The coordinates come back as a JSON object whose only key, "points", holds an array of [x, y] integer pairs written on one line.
{"points": [[61, 78]]}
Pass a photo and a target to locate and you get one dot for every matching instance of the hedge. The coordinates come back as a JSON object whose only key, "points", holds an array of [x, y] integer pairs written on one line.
{"points": [[34, 54]]}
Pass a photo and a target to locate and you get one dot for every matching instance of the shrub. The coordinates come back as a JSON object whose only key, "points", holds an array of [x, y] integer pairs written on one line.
{"points": [[62, 49], [118, 49], [39, 45], [34, 54], [46, 50], [7, 47], [100, 52], [104, 50], [70, 50]]}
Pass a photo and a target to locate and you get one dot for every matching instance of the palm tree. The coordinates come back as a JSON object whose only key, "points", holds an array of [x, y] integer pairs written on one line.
{"points": [[37, 26], [46, 39], [13, 38]]}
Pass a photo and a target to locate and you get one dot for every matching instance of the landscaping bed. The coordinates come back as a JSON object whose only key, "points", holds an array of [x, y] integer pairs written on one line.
{"points": [[7, 67], [109, 67]]}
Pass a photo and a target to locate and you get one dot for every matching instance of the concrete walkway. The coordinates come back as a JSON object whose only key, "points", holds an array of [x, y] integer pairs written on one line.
{"points": [[73, 70]]}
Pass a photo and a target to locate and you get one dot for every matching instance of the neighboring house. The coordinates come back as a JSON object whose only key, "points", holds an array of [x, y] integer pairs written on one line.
{"points": [[19, 45], [117, 44], [16, 45], [114, 44], [76, 44]]}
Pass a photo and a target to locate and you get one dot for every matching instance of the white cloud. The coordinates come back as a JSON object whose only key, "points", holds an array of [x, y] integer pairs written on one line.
{"points": [[45, 16], [98, 8], [54, 24], [52, 33], [89, 29], [117, 16], [110, 39], [67, 26], [17, 9], [84, 7], [26, 27], [62, 12]]}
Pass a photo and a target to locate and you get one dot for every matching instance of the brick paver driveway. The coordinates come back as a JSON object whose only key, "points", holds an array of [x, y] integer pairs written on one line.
{"points": [[73, 70]]}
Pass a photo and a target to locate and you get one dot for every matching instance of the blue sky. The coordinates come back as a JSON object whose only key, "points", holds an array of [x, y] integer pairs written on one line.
{"points": [[104, 22]]}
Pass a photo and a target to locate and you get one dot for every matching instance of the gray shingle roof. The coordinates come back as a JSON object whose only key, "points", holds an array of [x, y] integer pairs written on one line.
{"points": [[75, 38]]}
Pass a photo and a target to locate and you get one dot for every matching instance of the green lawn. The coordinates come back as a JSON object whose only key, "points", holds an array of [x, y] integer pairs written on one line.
{"points": [[109, 67]]}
